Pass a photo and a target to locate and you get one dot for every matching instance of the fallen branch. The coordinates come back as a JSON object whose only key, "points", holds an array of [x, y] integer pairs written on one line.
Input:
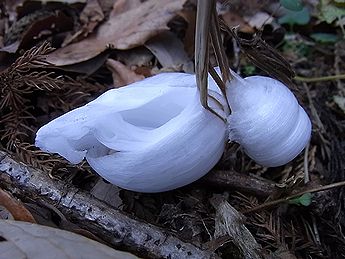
{"points": [[232, 180], [112, 225]]}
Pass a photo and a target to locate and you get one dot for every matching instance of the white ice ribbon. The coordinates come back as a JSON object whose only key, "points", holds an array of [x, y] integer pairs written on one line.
{"points": [[150, 136], [154, 135]]}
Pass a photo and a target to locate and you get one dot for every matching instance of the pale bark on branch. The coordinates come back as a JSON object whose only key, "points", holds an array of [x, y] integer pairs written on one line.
{"points": [[110, 224]]}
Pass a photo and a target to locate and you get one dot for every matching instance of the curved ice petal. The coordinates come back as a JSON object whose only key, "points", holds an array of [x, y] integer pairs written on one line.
{"points": [[105, 117], [192, 144], [150, 136]]}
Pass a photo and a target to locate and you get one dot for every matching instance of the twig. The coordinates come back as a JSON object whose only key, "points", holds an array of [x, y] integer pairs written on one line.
{"points": [[305, 164], [319, 79], [231, 180], [316, 189], [316, 231], [90, 213]]}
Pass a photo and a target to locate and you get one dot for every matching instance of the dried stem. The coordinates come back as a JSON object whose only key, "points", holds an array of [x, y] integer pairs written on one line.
{"points": [[17, 82], [203, 19], [296, 195], [232, 180], [319, 79]]}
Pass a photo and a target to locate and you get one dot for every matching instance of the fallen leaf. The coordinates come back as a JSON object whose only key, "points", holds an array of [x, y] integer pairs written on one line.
{"points": [[31, 241], [340, 101], [124, 31], [48, 215], [43, 215], [54, 23], [90, 17], [108, 193], [323, 37], [145, 71], [169, 51], [15, 207], [87, 67], [5, 214], [292, 17], [330, 11], [40, 25], [92, 12], [11, 6], [304, 200], [122, 75], [61, 1], [190, 17], [121, 6], [259, 19], [232, 19], [136, 57], [12, 48]]}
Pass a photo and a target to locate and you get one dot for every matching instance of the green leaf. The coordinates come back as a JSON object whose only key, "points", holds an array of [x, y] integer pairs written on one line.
{"points": [[298, 48], [292, 5], [304, 200], [330, 11], [249, 70], [301, 18], [325, 37]]}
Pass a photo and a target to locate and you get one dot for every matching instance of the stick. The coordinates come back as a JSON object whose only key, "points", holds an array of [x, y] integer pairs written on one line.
{"points": [[231, 180], [296, 195], [319, 79], [111, 224]]}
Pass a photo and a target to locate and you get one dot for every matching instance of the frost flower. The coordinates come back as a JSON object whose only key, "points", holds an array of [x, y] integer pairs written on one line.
{"points": [[150, 136]]}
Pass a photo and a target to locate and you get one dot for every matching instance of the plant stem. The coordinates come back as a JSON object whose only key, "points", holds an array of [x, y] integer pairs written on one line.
{"points": [[317, 189], [319, 79], [203, 20]]}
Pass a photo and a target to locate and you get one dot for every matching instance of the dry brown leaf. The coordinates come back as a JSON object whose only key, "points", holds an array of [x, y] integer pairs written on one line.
{"points": [[90, 17], [340, 101], [124, 31], [11, 6], [15, 207], [92, 12], [88, 67], [61, 1], [121, 6], [136, 57], [35, 27], [56, 22], [32, 241], [190, 17], [145, 71], [259, 19], [232, 19], [122, 75], [108, 193], [169, 51]]}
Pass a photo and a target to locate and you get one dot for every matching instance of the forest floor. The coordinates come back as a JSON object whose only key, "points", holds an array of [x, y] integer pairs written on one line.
{"points": [[59, 55]]}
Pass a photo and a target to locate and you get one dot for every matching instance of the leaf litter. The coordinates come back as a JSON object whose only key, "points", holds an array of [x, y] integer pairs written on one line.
{"points": [[123, 31]]}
